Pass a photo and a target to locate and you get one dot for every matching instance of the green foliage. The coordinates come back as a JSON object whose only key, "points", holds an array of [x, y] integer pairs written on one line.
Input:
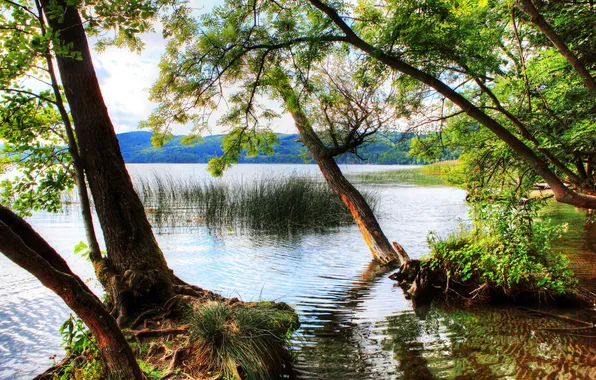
{"points": [[345, 104], [243, 341], [82, 249], [240, 140], [509, 247], [491, 54], [31, 128], [31, 132], [78, 342], [34, 149], [151, 373]]}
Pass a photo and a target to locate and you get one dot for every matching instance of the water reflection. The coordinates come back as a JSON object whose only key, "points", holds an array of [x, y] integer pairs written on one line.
{"points": [[335, 337], [355, 323], [578, 242], [405, 333]]}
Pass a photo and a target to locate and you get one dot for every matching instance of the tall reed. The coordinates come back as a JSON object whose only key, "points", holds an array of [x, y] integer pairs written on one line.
{"points": [[271, 204]]}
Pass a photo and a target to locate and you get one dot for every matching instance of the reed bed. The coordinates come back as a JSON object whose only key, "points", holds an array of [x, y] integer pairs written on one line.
{"points": [[267, 204], [437, 174]]}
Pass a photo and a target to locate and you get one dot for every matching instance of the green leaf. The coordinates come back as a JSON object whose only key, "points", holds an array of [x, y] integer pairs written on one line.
{"points": [[80, 247]]}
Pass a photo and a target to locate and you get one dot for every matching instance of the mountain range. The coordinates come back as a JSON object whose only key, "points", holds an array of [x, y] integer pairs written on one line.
{"points": [[136, 148]]}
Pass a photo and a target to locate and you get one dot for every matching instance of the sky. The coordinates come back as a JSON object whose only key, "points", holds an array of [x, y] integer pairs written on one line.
{"points": [[125, 78]]}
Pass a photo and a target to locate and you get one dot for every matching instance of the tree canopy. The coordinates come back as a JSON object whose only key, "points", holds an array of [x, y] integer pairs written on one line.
{"points": [[450, 65]]}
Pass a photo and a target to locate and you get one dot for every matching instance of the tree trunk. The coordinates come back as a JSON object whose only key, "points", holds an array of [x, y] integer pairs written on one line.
{"points": [[562, 193], [374, 237], [34, 241], [537, 19], [73, 149], [49, 268], [138, 273]]}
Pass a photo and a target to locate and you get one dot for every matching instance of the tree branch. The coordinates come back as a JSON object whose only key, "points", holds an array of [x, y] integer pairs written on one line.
{"points": [[537, 19]]}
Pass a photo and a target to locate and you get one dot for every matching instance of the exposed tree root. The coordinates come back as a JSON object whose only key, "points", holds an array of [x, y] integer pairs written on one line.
{"points": [[422, 286], [55, 370], [144, 316], [161, 338], [157, 332], [175, 362]]}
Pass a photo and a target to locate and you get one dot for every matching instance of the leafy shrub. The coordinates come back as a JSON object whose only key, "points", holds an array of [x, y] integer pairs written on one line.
{"points": [[81, 345], [509, 247], [242, 341]]}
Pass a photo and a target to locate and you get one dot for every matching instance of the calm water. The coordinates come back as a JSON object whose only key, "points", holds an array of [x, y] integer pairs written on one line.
{"points": [[355, 323]]}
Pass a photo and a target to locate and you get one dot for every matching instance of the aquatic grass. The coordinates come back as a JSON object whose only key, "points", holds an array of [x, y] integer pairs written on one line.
{"points": [[440, 168], [266, 204], [438, 174], [405, 176], [242, 341]]}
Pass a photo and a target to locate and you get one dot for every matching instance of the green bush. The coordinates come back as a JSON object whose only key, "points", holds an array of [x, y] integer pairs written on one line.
{"points": [[78, 342], [509, 247], [243, 341]]}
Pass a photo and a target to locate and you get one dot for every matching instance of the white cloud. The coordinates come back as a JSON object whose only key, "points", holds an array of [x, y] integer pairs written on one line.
{"points": [[125, 78]]}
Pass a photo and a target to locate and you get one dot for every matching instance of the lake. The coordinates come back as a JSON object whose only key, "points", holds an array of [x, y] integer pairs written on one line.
{"points": [[356, 324]]}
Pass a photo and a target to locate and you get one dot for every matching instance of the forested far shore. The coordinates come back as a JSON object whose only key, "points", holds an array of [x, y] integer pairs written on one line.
{"points": [[137, 148]]}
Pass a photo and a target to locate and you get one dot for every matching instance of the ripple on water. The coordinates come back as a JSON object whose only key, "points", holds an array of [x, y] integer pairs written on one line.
{"points": [[355, 323]]}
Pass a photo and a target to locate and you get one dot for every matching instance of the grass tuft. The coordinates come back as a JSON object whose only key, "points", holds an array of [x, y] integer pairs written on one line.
{"points": [[247, 341]]}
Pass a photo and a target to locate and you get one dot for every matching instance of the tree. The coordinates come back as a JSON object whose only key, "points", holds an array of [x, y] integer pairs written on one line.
{"points": [[475, 57], [332, 116], [537, 19], [134, 272], [472, 57], [323, 155], [22, 245], [457, 54], [36, 125]]}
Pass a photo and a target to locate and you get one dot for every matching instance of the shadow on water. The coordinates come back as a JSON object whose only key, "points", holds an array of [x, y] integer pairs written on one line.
{"points": [[405, 332], [340, 344]]}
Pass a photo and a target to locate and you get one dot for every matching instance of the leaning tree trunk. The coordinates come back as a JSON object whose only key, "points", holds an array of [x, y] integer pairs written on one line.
{"points": [[136, 268], [22, 245], [374, 237]]}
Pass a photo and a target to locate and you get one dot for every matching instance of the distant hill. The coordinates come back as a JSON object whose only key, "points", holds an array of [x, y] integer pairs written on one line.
{"points": [[136, 148]]}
